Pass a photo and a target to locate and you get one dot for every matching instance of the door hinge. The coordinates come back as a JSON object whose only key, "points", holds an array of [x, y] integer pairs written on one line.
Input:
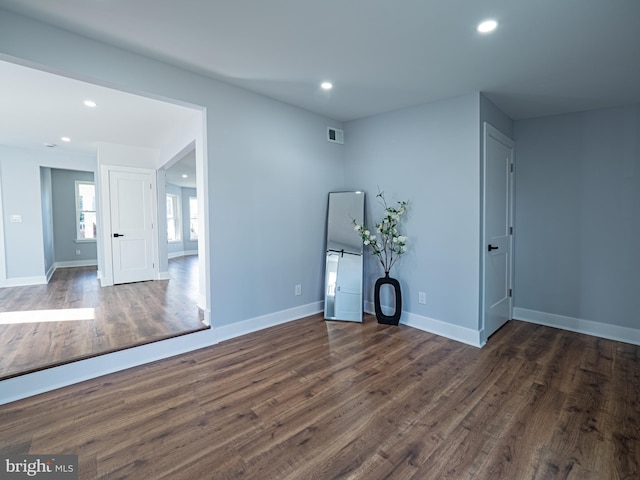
{"points": [[510, 230], [511, 292], [511, 167]]}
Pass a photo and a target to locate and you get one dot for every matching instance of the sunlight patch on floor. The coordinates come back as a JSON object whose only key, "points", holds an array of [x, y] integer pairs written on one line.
{"points": [[58, 315]]}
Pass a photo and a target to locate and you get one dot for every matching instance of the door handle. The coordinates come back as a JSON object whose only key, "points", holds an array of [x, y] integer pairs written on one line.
{"points": [[116, 235], [491, 247]]}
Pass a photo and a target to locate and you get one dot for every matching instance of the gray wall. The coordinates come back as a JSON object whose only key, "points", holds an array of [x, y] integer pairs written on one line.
{"points": [[46, 189], [24, 246], [578, 215], [493, 115], [29, 244], [64, 217], [429, 156]]}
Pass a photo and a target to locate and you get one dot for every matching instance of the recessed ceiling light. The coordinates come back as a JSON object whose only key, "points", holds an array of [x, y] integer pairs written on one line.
{"points": [[326, 85], [65, 139], [184, 175], [90, 103], [487, 26]]}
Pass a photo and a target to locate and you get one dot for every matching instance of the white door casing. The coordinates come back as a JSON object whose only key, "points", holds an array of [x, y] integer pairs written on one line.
{"points": [[498, 165], [131, 211], [3, 264]]}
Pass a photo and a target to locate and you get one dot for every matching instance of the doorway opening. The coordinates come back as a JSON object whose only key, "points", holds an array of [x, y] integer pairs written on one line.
{"points": [[123, 122]]}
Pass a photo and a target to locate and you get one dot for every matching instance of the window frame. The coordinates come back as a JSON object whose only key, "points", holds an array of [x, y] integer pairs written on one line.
{"points": [[193, 238], [175, 200], [79, 210]]}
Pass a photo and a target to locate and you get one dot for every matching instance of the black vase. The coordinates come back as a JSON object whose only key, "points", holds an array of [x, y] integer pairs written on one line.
{"points": [[382, 318]]}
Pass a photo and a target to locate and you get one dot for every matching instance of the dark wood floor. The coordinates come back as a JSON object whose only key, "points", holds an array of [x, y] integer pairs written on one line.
{"points": [[125, 316], [336, 400]]}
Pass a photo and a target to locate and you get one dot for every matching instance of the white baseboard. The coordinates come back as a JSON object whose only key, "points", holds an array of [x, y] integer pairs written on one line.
{"points": [[588, 327], [50, 272], [30, 384], [182, 253], [44, 279], [163, 276], [24, 281], [438, 327], [226, 332], [206, 320], [75, 263]]}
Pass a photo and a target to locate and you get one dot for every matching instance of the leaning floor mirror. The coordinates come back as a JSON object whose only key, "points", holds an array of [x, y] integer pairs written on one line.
{"points": [[343, 273]]}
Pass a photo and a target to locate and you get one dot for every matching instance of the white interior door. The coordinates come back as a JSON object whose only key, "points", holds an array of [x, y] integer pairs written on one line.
{"points": [[498, 193], [131, 197]]}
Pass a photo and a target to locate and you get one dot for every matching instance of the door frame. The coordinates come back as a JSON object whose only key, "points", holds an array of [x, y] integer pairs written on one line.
{"points": [[106, 277], [3, 260], [491, 131]]}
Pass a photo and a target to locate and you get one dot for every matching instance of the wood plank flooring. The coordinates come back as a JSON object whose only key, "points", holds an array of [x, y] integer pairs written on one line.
{"points": [[125, 316], [337, 400]]}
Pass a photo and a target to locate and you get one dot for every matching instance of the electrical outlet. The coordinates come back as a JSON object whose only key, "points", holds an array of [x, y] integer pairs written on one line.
{"points": [[78, 253], [298, 290], [422, 298]]}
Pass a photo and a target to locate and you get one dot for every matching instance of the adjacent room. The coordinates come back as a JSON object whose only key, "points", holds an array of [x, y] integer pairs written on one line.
{"points": [[179, 249], [61, 242]]}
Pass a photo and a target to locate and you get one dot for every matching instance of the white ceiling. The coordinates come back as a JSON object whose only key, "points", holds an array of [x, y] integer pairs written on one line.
{"points": [[547, 56], [183, 173], [38, 107]]}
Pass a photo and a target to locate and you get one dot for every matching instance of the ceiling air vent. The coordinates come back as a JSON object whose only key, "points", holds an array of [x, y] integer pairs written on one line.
{"points": [[334, 135]]}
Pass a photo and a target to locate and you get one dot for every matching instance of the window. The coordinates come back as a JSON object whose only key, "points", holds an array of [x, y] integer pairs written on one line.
{"points": [[193, 218], [173, 218], [85, 210]]}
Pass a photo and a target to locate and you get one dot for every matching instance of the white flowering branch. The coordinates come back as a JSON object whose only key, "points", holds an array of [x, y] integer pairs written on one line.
{"points": [[391, 244]]}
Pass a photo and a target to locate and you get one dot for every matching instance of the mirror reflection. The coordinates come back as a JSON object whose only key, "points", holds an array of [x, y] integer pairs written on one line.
{"points": [[343, 267]]}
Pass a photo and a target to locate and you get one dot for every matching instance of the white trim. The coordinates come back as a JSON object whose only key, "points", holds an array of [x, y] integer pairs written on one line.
{"points": [[3, 260], [192, 218], [50, 272], [163, 276], [44, 279], [78, 210], [177, 218], [182, 253], [206, 315], [24, 281], [226, 332], [587, 327], [75, 263], [202, 305], [469, 336], [30, 384]]}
